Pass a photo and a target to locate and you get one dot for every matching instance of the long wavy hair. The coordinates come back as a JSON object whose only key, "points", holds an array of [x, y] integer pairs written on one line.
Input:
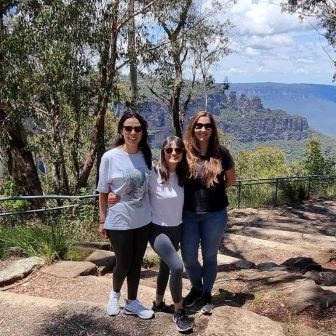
{"points": [[212, 161], [143, 144], [182, 166]]}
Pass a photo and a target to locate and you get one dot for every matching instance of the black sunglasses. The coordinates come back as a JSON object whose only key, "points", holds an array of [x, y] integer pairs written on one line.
{"points": [[170, 150], [129, 129], [207, 126]]}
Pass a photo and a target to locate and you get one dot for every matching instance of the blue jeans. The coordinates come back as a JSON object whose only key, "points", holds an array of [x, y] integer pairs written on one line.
{"points": [[206, 229]]}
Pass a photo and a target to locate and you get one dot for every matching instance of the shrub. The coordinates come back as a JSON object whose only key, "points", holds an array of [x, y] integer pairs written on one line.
{"points": [[47, 241], [294, 192], [9, 190]]}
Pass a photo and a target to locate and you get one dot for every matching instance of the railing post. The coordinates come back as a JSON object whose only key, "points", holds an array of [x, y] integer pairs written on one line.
{"points": [[239, 194], [276, 192], [309, 186]]}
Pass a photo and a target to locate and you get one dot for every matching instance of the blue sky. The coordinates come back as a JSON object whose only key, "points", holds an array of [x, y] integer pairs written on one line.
{"points": [[269, 45]]}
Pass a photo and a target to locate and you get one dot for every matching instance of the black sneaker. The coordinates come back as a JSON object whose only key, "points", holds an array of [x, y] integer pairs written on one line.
{"points": [[182, 321], [163, 308], [207, 305], [192, 298]]}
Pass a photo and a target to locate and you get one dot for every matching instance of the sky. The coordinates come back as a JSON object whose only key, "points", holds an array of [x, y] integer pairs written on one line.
{"points": [[271, 46]]}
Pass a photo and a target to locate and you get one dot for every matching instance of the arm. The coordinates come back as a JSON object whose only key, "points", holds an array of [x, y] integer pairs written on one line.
{"points": [[102, 212], [230, 177]]}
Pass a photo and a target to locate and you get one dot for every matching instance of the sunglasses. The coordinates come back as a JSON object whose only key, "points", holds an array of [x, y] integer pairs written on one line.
{"points": [[170, 150], [207, 126], [129, 129]]}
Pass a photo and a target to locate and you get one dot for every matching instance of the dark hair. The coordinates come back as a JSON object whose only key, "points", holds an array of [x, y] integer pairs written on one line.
{"points": [[143, 144], [212, 164], [182, 166]]}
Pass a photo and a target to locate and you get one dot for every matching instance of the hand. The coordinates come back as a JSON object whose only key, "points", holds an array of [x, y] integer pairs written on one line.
{"points": [[112, 199], [102, 231]]}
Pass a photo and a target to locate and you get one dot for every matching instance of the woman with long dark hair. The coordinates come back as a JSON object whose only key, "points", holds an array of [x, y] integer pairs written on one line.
{"points": [[211, 172], [124, 170], [166, 196]]}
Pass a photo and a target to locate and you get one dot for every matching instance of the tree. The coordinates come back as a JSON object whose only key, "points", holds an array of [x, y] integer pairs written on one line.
{"points": [[264, 162], [67, 56], [183, 44], [13, 138], [323, 10], [315, 162]]}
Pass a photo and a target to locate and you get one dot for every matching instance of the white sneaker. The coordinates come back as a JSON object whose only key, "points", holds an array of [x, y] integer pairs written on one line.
{"points": [[136, 308], [113, 307], [207, 309]]}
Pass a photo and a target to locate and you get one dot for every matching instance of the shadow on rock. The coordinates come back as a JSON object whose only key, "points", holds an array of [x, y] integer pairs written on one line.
{"points": [[91, 322], [226, 298]]}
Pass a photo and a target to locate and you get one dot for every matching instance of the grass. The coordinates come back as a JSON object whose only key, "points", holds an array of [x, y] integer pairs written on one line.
{"points": [[289, 192], [50, 241]]}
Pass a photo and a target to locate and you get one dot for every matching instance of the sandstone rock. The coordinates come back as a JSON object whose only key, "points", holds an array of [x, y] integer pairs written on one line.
{"points": [[270, 266], [102, 258], [309, 296], [302, 263], [231, 321], [71, 269], [244, 264], [261, 250], [322, 278], [19, 269], [96, 245]]}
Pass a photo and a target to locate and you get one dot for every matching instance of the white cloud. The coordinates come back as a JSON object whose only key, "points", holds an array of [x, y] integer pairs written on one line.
{"points": [[305, 60], [251, 51], [261, 69], [235, 70], [270, 41], [282, 56], [264, 18], [269, 45]]}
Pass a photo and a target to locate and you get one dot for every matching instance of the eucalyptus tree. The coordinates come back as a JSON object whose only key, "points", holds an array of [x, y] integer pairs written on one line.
{"points": [[68, 55], [50, 41], [112, 26], [317, 162], [179, 45], [325, 13], [13, 104]]}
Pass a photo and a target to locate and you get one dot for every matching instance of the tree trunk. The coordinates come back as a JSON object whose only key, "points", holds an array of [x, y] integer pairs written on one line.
{"points": [[132, 58], [21, 165], [177, 87], [108, 71]]}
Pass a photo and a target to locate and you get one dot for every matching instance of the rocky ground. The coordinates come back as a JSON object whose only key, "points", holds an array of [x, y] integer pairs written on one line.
{"points": [[277, 276]]}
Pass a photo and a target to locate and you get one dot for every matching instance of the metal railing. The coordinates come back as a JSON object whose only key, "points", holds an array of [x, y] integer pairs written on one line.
{"points": [[44, 197], [279, 190], [253, 192]]}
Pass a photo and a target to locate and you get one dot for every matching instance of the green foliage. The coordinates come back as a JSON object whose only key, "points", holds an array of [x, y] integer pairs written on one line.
{"points": [[151, 261], [293, 192], [47, 241], [315, 162], [264, 162], [2, 245], [9, 190]]}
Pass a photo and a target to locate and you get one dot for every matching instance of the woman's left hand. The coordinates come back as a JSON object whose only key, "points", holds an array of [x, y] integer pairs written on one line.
{"points": [[112, 199]]}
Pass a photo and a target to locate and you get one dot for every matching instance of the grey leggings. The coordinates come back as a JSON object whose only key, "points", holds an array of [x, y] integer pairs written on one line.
{"points": [[129, 247], [165, 242]]}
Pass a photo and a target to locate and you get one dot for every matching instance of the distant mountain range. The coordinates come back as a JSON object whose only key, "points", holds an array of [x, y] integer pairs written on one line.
{"points": [[315, 102], [258, 114]]}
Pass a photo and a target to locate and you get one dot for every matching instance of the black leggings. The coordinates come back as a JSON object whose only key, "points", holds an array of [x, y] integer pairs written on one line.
{"points": [[129, 247], [165, 242]]}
